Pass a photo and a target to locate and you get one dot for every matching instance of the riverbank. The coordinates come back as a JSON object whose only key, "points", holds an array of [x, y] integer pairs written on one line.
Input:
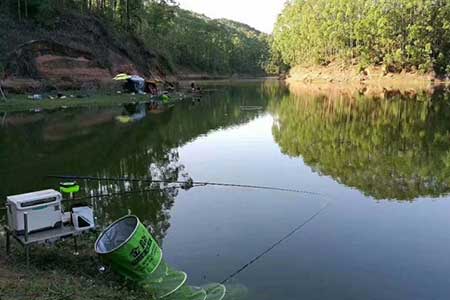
{"points": [[19, 103], [55, 273], [376, 76]]}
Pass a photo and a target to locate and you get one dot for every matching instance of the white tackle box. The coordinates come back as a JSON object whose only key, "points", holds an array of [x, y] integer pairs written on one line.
{"points": [[43, 210]]}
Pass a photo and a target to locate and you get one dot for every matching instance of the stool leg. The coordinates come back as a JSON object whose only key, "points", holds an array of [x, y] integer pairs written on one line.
{"points": [[75, 245], [8, 242], [27, 254]]}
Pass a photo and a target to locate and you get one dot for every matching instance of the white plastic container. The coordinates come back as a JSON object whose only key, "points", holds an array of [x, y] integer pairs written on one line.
{"points": [[43, 209], [83, 218]]}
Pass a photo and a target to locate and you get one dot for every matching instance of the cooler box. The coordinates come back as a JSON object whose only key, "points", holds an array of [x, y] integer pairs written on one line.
{"points": [[43, 209]]}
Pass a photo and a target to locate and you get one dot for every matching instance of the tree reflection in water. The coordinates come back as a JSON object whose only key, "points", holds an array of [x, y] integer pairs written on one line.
{"points": [[93, 142], [390, 147]]}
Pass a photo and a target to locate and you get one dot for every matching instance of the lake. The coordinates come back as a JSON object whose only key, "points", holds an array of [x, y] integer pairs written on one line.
{"points": [[381, 160]]}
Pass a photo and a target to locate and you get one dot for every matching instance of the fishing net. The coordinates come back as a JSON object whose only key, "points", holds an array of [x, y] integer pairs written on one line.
{"points": [[130, 250]]}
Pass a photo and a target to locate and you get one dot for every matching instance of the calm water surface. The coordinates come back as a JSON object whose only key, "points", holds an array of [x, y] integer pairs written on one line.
{"points": [[383, 162]]}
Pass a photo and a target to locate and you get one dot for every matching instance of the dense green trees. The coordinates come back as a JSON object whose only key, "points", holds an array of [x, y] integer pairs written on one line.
{"points": [[128, 13], [399, 34], [187, 39], [220, 46]]}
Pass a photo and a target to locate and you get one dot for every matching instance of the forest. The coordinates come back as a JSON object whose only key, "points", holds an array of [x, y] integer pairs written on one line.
{"points": [[399, 35], [186, 39]]}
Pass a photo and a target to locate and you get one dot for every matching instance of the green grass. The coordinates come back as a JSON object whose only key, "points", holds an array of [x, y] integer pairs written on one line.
{"points": [[55, 273], [18, 103]]}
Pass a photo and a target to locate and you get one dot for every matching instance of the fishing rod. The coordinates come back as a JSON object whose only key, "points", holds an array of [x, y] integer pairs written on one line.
{"points": [[186, 183], [140, 191], [147, 190], [262, 254]]}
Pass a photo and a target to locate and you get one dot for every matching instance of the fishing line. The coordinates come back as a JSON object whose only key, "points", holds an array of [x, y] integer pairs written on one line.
{"points": [[275, 245], [188, 182]]}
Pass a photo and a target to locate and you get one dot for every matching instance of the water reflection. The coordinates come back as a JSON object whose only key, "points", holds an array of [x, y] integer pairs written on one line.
{"points": [[390, 145], [134, 112], [92, 142], [387, 144]]}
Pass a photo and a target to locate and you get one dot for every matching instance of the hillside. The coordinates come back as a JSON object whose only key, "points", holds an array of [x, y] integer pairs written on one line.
{"points": [[199, 44], [76, 52], [84, 44]]}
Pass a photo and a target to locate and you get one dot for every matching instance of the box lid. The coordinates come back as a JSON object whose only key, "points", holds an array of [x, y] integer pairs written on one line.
{"points": [[22, 198]]}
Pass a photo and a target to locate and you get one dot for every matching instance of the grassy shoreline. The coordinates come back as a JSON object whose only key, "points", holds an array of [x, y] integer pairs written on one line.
{"points": [[18, 103], [21, 103], [55, 273]]}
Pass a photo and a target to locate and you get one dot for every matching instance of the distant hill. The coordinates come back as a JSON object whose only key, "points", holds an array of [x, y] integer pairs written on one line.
{"points": [[241, 26], [216, 45]]}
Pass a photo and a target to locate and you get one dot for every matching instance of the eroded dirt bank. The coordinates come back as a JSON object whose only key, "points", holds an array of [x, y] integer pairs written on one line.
{"points": [[78, 52], [375, 76]]}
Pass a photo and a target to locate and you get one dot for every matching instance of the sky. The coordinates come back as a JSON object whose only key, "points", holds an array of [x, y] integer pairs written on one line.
{"points": [[260, 14]]}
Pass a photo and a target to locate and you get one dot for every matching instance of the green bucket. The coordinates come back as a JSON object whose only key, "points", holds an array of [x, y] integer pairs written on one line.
{"points": [[130, 250]]}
